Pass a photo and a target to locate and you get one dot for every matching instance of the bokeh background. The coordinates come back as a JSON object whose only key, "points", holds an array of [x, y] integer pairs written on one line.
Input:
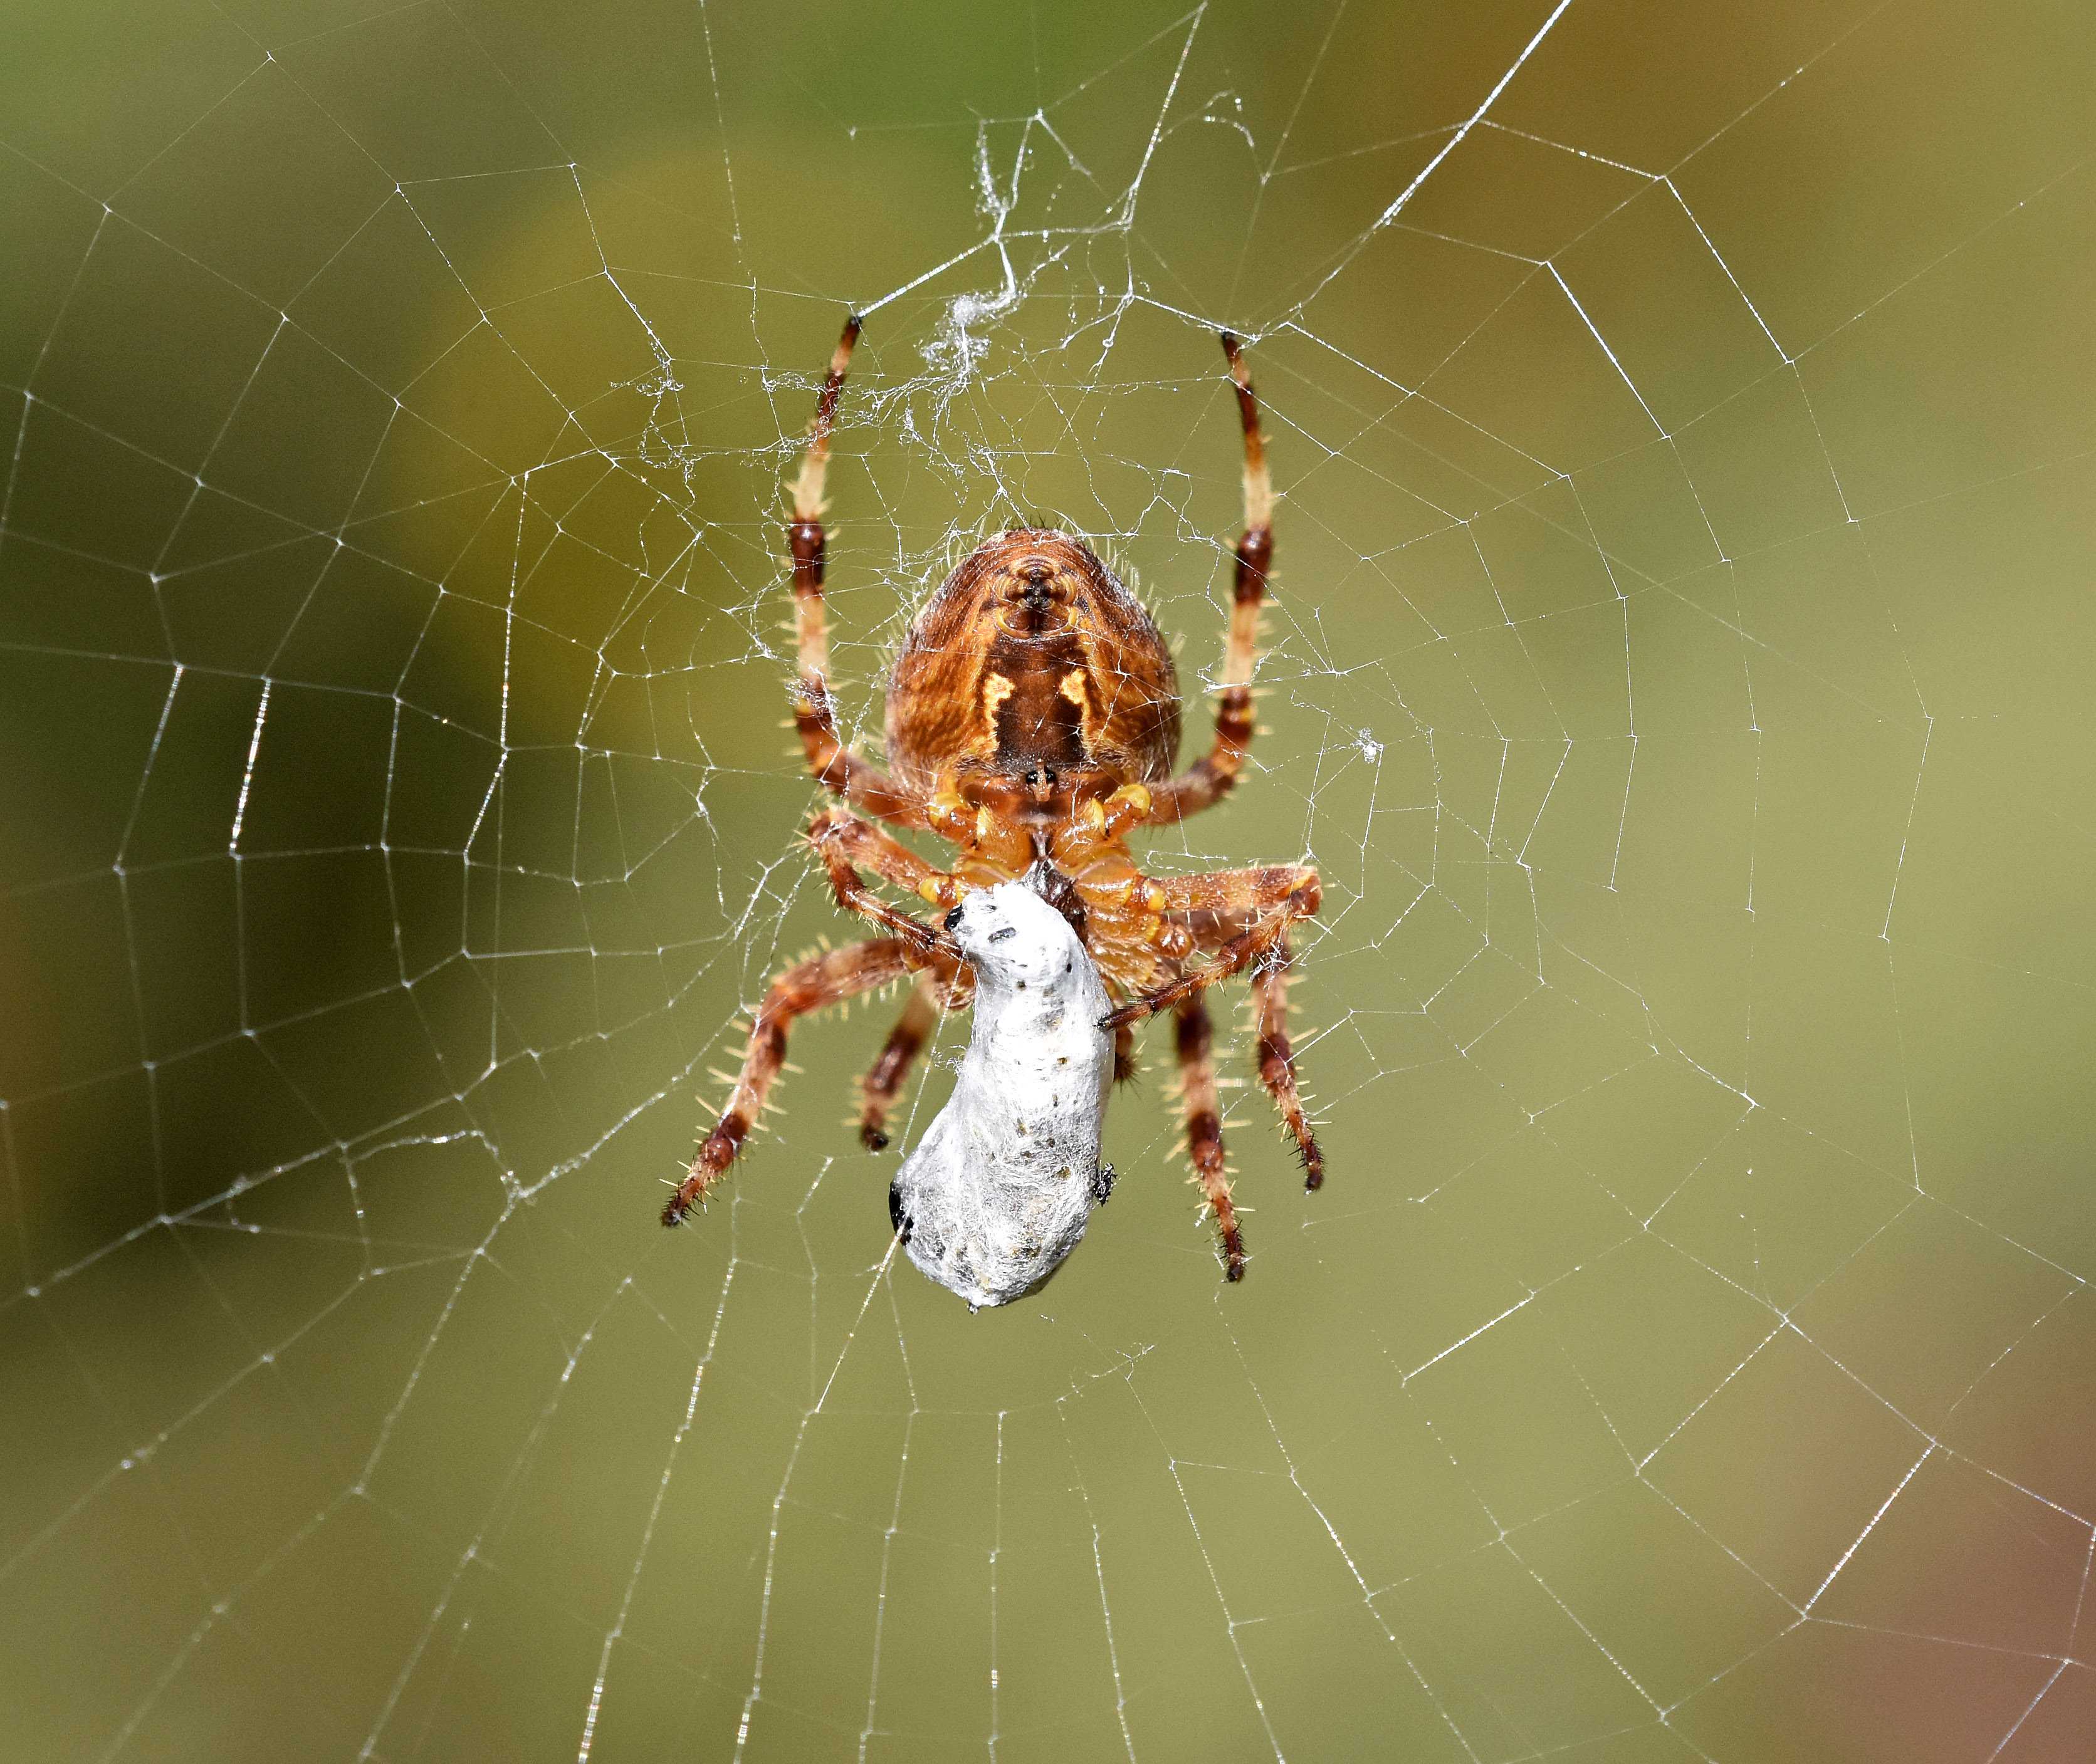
{"points": [[1680, 670]]}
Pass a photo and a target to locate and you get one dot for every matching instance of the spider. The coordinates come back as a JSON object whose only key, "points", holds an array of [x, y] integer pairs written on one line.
{"points": [[1032, 719]]}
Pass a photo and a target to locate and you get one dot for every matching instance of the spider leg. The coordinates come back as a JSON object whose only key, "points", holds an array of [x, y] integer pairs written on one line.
{"points": [[865, 786], [1209, 777], [832, 841], [1213, 929], [1124, 1061], [838, 833], [1276, 1058], [1204, 1127], [883, 1084], [808, 985], [1270, 899]]}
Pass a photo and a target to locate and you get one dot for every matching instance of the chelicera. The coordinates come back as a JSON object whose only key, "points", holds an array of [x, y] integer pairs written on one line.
{"points": [[1032, 722]]}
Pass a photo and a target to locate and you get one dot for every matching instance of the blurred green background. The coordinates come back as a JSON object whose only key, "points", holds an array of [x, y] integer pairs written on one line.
{"points": [[1680, 670]]}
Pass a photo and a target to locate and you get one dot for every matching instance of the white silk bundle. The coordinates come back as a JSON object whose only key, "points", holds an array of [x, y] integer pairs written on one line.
{"points": [[1001, 1188]]}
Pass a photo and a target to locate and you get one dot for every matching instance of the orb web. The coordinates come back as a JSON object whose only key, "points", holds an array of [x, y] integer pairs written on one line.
{"points": [[1677, 668]]}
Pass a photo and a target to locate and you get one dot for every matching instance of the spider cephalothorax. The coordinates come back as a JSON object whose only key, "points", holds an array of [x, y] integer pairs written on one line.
{"points": [[1032, 719]]}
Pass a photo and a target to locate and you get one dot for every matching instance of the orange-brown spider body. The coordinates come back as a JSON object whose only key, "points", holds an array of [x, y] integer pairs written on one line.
{"points": [[1032, 719], [1032, 686]]}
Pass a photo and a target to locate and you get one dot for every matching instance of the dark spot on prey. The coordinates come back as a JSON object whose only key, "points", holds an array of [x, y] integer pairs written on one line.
{"points": [[1060, 892], [898, 1221]]}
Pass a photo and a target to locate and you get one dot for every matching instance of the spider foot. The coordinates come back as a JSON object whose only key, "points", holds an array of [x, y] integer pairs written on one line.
{"points": [[1313, 1164], [1229, 1239], [871, 1136], [706, 1169]]}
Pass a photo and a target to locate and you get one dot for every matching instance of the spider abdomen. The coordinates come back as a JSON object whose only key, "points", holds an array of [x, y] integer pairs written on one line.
{"points": [[1030, 660]]}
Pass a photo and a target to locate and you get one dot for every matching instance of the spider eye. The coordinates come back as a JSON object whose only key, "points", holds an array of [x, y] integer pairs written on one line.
{"points": [[1009, 931]]}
